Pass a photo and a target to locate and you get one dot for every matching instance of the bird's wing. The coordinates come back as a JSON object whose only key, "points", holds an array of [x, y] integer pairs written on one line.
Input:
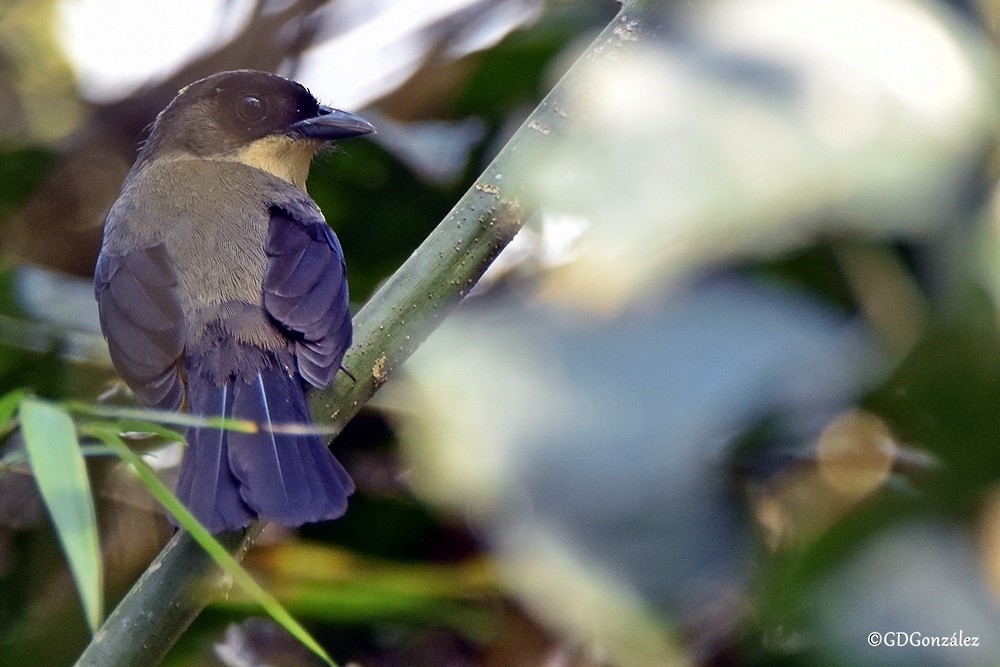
{"points": [[142, 319], [305, 290]]}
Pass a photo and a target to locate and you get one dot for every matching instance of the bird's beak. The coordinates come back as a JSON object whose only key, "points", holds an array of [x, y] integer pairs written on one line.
{"points": [[330, 124]]}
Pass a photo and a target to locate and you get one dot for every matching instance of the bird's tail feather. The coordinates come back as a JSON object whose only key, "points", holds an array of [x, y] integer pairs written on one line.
{"points": [[228, 478]]}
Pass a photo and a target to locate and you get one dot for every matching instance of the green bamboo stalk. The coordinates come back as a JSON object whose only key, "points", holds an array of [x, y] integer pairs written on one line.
{"points": [[400, 316], [161, 605], [394, 322]]}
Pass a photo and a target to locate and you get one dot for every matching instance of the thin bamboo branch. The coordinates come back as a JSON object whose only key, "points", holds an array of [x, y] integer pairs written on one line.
{"points": [[394, 322]]}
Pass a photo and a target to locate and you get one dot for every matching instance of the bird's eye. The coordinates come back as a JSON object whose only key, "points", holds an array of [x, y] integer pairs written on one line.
{"points": [[251, 108]]}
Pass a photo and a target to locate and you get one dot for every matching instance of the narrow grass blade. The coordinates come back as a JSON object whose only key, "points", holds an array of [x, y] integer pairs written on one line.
{"points": [[145, 415], [218, 553], [61, 475]]}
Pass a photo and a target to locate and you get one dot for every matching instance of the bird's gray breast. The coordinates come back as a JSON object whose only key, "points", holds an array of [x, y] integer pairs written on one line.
{"points": [[212, 217]]}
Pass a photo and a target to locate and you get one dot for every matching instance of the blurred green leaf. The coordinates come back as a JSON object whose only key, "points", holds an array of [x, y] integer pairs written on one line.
{"points": [[61, 474], [943, 400], [8, 405], [353, 602], [337, 585], [21, 170], [219, 554]]}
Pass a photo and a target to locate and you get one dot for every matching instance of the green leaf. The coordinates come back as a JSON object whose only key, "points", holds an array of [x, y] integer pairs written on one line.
{"points": [[146, 415], [9, 403], [8, 406], [61, 475], [219, 554]]}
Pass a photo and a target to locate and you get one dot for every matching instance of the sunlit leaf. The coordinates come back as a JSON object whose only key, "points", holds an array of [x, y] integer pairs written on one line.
{"points": [[55, 457]]}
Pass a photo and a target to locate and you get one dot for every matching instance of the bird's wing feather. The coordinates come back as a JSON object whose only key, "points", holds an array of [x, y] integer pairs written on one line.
{"points": [[142, 319], [305, 290]]}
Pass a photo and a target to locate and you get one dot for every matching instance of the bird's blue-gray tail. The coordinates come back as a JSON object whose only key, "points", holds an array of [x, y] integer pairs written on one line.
{"points": [[281, 473]]}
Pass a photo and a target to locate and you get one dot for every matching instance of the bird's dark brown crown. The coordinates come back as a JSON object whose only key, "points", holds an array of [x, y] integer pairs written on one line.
{"points": [[225, 111]]}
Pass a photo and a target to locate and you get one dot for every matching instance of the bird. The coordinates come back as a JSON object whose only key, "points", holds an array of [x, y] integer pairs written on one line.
{"points": [[222, 291]]}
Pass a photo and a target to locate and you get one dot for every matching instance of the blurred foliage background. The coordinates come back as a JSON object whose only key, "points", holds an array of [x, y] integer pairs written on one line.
{"points": [[730, 398]]}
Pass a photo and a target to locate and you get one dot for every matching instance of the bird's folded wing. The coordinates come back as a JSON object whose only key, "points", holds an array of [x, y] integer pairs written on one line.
{"points": [[305, 290], [143, 322]]}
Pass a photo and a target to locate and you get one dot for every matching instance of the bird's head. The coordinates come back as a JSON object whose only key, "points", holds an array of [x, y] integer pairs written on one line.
{"points": [[257, 118]]}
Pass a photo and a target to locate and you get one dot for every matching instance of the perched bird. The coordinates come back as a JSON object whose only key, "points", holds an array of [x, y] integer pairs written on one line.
{"points": [[223, 291]]}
